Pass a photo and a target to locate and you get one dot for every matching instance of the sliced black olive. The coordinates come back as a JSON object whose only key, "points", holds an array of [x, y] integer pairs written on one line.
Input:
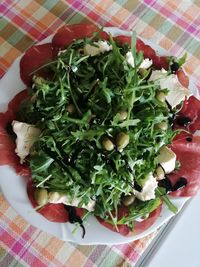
{"points": [[174, 67]]}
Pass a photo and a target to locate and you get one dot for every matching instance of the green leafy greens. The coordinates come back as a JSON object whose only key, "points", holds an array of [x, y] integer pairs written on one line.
{"points": [[69, 157]]}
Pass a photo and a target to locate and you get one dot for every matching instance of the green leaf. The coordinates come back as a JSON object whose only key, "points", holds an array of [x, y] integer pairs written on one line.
{"points": [[40, 163], [133, 44], [182, 60], [166, 199], [127, 123]]}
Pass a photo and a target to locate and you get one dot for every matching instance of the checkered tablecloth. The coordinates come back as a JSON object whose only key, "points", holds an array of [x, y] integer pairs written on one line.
{"points": [[174, 25]]}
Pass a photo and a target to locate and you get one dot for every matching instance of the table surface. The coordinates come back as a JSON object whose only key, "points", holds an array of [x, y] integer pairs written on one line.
{"points": [[181, 243], [173, 26]]}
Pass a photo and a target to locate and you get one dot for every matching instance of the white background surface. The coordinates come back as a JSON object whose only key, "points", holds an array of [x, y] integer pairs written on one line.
{"points": [[181, 248]]}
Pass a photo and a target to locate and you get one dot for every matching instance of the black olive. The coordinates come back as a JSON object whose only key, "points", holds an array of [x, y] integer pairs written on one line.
{"points": [[189, 139], [174, 67]]}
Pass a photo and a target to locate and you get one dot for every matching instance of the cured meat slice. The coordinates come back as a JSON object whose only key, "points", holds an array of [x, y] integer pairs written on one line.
{"points": [[7, 145], [121, 39], [183, 78], [187, 149], [139, 227], [190, 111], [14, 105], [8, 156], [52, 212], [68, 33], [158, 62], [35, 57]]}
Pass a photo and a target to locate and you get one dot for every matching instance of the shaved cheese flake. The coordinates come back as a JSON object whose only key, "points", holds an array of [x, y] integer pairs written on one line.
{"points": [[27, 134], [148, 190]]}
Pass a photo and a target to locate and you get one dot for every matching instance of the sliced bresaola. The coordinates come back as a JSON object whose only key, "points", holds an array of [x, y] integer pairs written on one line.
{"points": [[191, 112], [35, 57], [139, 227], [183, 78], [52, 212], [159, 62], [13, 108], [69, 33], [187, 149], [7, 144]]}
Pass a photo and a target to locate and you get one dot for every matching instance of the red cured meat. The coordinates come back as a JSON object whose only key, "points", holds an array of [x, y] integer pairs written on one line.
{"points": [[35, 57], [13, 107], [188, 153], [161, 62], [8, 155], [139, 226], [183, 78], [190, 109], [104, 35], [121, 39], [158, 62], [7, 145], [52, 212], [68, 33]]}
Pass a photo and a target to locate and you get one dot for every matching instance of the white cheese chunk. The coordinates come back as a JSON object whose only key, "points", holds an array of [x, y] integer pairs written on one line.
{"points": [[158, 74], [100, 47], [146, 63], [27, 134], [130, 59], [177, 93], [167, 159], [56, 197], [103, 46], [148, 190]]}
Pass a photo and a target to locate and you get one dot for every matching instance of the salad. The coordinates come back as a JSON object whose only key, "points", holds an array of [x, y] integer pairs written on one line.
{"points": [[100, 128]]}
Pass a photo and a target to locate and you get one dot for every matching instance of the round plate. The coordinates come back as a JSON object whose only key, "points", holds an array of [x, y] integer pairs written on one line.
{"points": [[16, 194]]}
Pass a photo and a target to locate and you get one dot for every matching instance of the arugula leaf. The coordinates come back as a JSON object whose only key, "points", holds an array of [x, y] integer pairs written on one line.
{"points": [[182, 60], [161, 192]]}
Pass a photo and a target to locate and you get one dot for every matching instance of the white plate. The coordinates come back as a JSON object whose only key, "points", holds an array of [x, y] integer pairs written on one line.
{"points": [[14, 187]]}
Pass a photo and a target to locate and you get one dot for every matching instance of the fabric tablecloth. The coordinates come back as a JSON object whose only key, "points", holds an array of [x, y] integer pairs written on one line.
{"points": [[174, 25]]}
